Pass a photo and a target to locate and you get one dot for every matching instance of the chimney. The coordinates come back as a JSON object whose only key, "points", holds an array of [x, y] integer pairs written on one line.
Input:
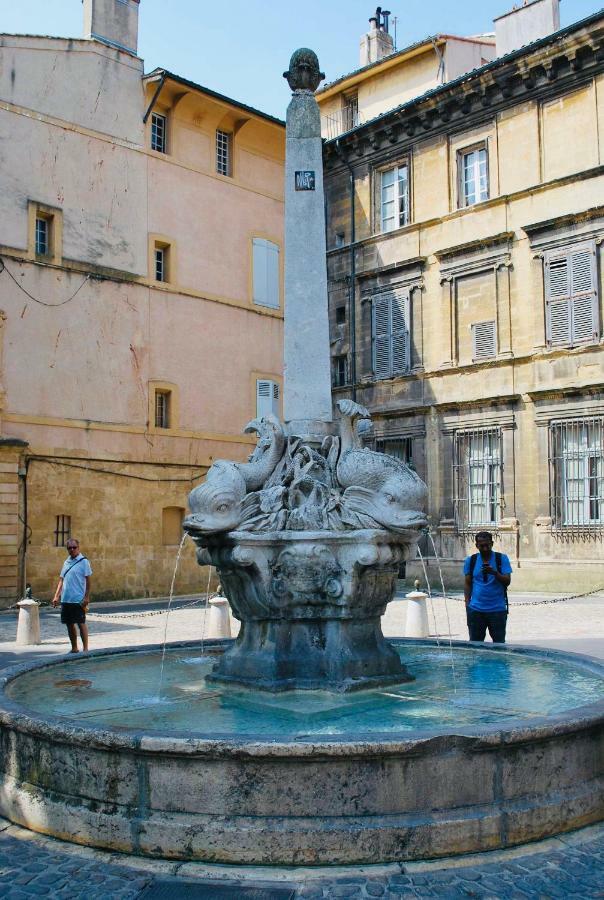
{"points": [[114, 22], [532, 20], [377, 43]]}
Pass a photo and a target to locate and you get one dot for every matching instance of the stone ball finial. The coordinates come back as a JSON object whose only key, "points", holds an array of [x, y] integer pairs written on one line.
{"points": [[304, 73]]}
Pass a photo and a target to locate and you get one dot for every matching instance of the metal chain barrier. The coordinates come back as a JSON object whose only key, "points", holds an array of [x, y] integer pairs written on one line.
{"points": [[515, 605], [154, 612]]}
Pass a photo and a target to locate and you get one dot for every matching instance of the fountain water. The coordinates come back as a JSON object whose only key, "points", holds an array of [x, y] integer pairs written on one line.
{"points": [[310, 739]]}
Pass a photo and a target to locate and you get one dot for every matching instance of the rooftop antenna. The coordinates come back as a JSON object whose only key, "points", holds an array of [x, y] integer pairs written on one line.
{"points": [[394, 22]]}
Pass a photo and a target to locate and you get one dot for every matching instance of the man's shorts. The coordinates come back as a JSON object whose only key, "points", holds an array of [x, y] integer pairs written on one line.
{"points": [[72, 614]]}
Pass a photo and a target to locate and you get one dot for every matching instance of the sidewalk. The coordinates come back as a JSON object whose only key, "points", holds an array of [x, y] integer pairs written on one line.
{"points": [[574, 625]]}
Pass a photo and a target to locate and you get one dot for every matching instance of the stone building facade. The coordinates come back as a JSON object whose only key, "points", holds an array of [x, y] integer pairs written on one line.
{"points": [[141, 286], [466, 299]]}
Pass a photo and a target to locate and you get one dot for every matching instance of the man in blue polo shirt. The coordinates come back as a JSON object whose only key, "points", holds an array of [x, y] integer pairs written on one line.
{"points": [[487, 578], [73, 590]]}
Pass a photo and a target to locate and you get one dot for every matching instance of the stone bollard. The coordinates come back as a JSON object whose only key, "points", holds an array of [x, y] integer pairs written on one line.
{"points": [[28, 624], [219, 621], [416, 625]]}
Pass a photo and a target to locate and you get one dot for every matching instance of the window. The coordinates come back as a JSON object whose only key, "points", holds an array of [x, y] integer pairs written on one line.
{"points": [[160, 264], [267, 397], [577, 473], [340, 315], [473, 176], [62, 530], [391, 337], [394, 197], [224, 140], [266, 273], [571, 296], [484, 344], [340, 370], [171, 525], [478, 477], [162, 409], [350, 112], [340, 239], [43, 236], [400, 448], [158, 133]]}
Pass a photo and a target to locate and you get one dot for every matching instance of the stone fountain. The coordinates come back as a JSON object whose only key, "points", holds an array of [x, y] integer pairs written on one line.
{"points": [[310, 740]]}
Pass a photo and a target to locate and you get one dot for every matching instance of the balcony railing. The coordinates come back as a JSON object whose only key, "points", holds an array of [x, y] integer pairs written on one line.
{"points": [[339, 122]]}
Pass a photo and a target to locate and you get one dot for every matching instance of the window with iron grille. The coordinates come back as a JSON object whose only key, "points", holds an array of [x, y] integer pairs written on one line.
{"points": [[158, 133], [340, 370], [391, 333], [350, 112], [473, 176], [577, 473], [162, 409], [478, 477], [62, 530], [394, 197], [400, 448], [571, 296], [42, 237], [223, 152]]}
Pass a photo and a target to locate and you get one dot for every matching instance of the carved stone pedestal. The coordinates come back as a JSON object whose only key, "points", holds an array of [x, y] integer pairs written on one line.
{"points": [[310, 605]]}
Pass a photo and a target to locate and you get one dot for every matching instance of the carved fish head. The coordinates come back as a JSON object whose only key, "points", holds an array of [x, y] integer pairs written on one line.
{"points": [[392, 503], [216, 505]]}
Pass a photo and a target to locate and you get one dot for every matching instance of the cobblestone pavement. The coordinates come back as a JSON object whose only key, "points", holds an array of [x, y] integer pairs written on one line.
{"points": [[569, 866]]}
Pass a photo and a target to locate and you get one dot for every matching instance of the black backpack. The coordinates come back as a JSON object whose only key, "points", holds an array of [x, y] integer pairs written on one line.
{"points": [[474, 560]]}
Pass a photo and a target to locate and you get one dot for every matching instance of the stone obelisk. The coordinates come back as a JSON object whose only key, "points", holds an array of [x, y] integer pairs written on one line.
{"points": [[307, 393]]}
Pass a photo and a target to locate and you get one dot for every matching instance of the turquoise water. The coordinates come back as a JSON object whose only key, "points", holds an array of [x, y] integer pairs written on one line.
{"points": [[120, 693]]}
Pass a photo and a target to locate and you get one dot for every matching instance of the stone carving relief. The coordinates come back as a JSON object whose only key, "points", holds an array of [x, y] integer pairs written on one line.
{"points": [[289, 485]]}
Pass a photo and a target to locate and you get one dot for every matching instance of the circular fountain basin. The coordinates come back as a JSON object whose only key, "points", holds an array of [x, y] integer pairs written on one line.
{"points": [[488, 747]]}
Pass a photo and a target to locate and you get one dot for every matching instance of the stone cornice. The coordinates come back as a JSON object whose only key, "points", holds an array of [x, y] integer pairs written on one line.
{"points": [[473, 247], [538, 71], [575, 218]]}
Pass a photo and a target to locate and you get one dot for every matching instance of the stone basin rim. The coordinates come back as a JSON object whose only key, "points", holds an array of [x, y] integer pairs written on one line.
{"points": [[516, 731]]}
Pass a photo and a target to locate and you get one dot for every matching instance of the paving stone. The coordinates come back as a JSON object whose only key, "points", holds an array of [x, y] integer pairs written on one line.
{"points": [[375, 889]]}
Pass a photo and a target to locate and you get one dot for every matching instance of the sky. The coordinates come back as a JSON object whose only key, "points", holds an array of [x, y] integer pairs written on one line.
{"points": [[241, 48]]}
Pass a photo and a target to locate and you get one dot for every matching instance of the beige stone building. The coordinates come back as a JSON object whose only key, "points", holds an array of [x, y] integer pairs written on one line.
{"points": [[465, 223], [141, 289]]}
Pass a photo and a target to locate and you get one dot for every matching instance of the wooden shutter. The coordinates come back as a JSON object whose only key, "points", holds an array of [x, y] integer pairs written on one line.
{"points": [[399, 311], [266, 273], [381, 336], [584, 305], [571, 296], [484, 343], [391, 344]]}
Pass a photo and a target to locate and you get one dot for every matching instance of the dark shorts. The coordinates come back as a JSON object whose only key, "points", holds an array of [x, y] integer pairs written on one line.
{"points": [[479, 622], [72, 614]]}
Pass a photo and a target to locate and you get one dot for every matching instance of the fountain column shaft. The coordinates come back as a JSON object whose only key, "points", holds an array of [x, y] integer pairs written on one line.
{"points": [[307, 394]]}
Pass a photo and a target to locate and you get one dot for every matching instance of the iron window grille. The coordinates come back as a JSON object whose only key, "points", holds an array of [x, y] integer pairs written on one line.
{"points": [[42, 237], [162, 409], [158, 133], [223, 152], [394, 198], [62, 530], [350, 112], [576, 461], [473, 176], [478, 478]]}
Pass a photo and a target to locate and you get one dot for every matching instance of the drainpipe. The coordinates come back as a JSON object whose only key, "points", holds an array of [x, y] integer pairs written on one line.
{"points": [[155, 97], [352, 286]]}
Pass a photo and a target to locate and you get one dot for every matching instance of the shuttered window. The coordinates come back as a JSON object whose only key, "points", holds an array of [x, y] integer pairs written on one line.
{"points": [[391, 333], [266, 273], [267, 397], [484, 344], [571, 296]]}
